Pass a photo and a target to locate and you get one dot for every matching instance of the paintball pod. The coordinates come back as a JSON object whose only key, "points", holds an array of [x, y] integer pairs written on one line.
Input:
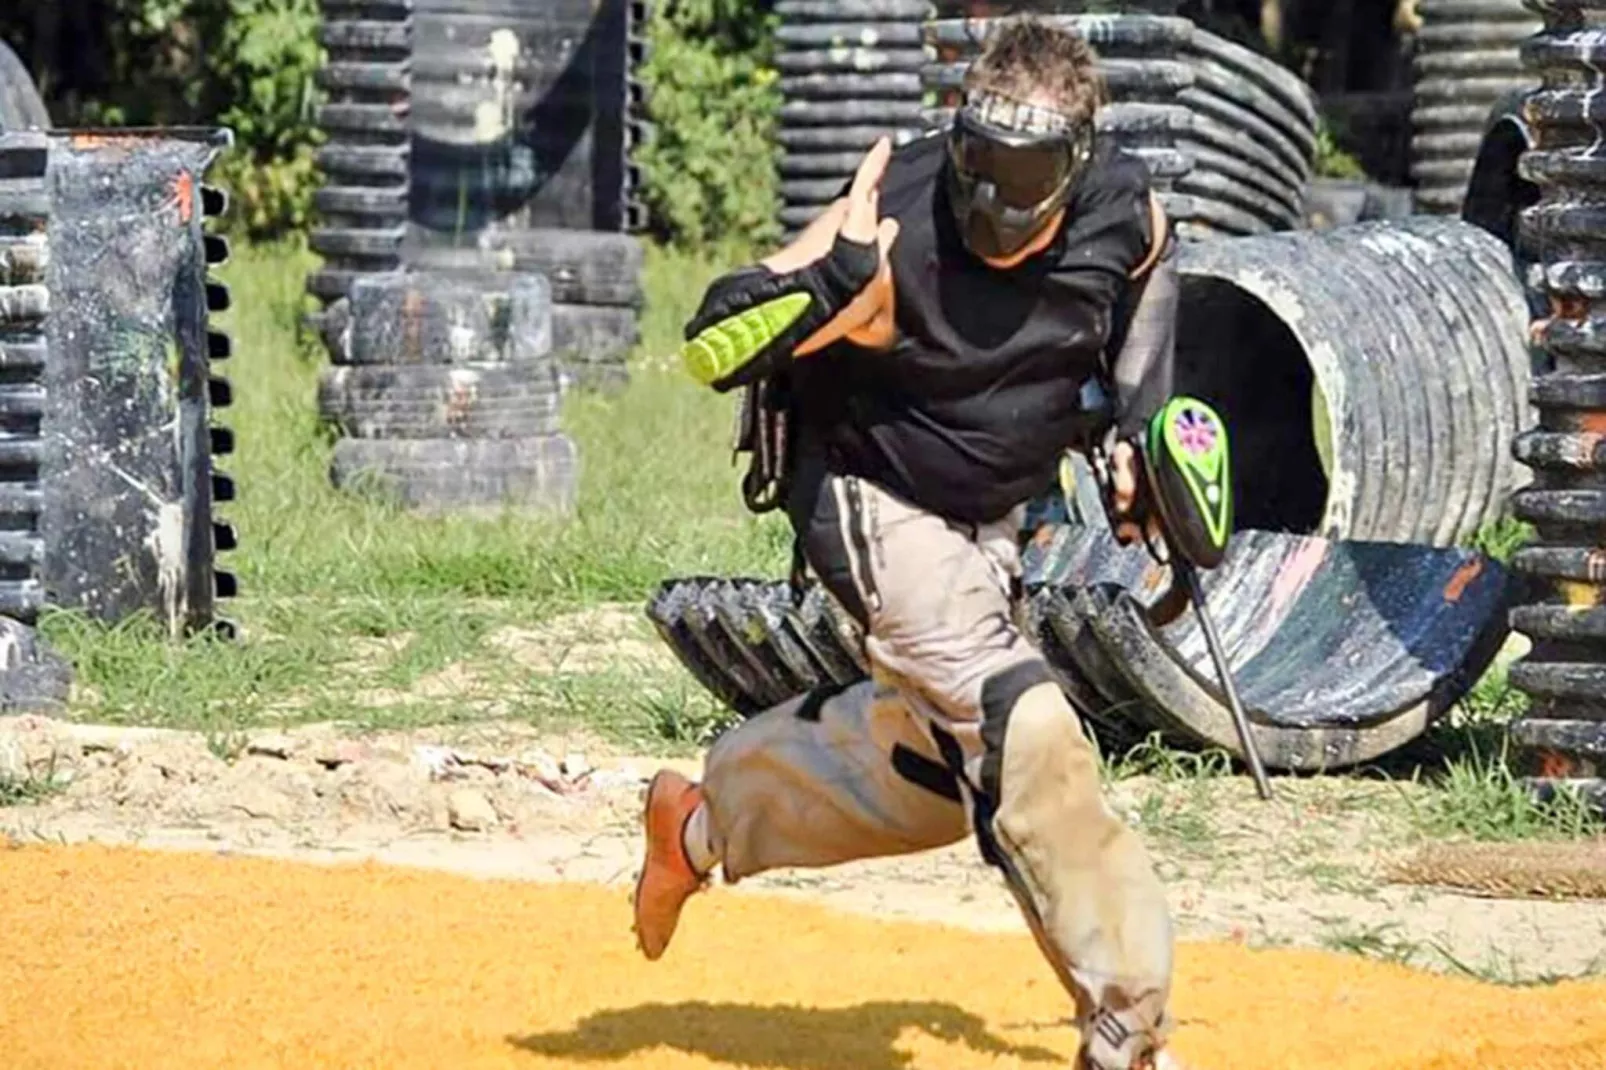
{"points": [[1183, 507]]}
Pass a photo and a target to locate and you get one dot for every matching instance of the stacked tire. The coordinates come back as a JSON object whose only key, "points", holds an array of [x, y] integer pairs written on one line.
{"points": [[32, 676], [362, 206], [21, 107], [597, 292], [447, 394], [129, 475], [1561, 739], [1468, 57], [523, 118], [637, 51], [1229, 135], [849, 75], [24, 308]]}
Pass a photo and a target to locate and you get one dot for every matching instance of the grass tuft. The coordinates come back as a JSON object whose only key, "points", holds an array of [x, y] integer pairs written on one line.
{"points": [[323, 572]]}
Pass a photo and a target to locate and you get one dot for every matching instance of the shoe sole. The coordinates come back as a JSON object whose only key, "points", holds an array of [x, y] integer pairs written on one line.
{"points": [[653, 788]]}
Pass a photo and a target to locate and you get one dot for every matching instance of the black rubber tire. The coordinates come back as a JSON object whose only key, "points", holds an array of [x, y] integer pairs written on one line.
{"points": [[540, 473], [604, 332], [374, 165], [852, 86], [851, 61], [365, 78], [380, 245], [1470, 92], [1213, 106], [329, 284], [1229, 192], [1255, 98], [1128, 80], [366, 35], [1283, 84], [820, 165], [592, 344], [830, 35], [1235, 142], [1127, 35], [821, 191], [585, 267], [408, 319], [1287, 199], [360, 121], [1450, 66], [36, 678], [891, 115], [361, 207], [829, 11], [21, 107], [854, 139], [1218, 216], [421, 401], [1474, 36], [1481, 10]]}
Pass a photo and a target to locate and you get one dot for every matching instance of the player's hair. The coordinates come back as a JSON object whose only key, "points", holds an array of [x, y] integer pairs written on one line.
{"points": [[1027, 55]]}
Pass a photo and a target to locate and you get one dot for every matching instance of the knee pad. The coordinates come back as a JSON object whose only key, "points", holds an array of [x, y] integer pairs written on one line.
{"points": [[1001, 695]]}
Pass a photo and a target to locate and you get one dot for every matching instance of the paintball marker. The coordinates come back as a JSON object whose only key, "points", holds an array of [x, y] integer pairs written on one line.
{"points": [[1183, 507]]}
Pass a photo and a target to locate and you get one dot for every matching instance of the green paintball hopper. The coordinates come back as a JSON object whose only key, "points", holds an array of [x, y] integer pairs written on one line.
{"points": [[1190, 472]]}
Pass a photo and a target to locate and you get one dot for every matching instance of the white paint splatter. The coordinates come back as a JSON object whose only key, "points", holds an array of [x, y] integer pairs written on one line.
{"points": [[166, 544], [493, 118]]}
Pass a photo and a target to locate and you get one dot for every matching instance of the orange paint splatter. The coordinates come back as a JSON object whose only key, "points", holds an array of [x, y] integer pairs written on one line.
{"points": [[184, 194], [1554, 764], [1459, 582]]}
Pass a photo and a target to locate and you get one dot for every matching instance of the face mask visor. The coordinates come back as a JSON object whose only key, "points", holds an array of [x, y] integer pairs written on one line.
{"points": [[1012, 168]]}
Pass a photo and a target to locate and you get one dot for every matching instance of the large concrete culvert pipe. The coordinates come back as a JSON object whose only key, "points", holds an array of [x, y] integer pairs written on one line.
{"points": [[1374, 378]]}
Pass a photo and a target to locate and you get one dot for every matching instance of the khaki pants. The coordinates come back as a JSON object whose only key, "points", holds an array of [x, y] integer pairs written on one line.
{"points": [[960, 731]]}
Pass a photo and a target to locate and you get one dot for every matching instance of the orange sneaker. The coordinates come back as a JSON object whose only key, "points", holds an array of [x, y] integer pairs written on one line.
{"points": [[667, 878]]}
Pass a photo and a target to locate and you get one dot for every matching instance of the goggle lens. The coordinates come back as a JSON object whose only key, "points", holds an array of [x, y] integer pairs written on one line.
{"points": [[1023, 175]]}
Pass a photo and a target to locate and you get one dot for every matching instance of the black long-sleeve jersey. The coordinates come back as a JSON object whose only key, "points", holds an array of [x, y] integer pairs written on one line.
{"points": [[968, 413]]}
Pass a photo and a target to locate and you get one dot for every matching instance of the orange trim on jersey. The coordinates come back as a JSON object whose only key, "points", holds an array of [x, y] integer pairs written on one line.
{"points": [[1044, 239], [1161, 225], [870, 320]]}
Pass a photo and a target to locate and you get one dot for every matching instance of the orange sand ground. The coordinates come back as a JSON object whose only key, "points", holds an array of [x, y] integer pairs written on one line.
{"points": [[115, 957]]}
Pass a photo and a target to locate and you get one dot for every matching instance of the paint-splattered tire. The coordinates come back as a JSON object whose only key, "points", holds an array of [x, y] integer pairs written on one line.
{"points": [[21, 106]]}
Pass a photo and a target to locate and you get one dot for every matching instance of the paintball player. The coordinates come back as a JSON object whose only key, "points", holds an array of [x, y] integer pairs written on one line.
{"points": [[940, 330]]}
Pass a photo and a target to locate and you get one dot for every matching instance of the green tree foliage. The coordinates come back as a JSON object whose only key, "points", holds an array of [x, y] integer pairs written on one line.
{"points": [[710, 164], [245, 64], [267, 57]]}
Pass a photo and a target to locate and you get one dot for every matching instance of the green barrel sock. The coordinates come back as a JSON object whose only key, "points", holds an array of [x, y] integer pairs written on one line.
{"points": [[722, 349]]}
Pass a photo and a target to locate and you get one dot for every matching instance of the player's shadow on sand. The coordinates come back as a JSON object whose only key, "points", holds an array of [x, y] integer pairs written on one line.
{"points": [[785, 1038]]}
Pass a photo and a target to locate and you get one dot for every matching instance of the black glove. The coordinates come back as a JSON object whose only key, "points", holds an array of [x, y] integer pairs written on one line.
{"points": [[752, 319]]}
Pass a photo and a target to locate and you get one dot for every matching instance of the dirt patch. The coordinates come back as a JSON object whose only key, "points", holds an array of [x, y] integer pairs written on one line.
{"points": [[603, 639], [1312, 868]]}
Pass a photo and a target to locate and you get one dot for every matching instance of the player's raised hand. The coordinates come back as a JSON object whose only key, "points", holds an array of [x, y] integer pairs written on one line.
{"points": [[863, 222], [855, 216]]}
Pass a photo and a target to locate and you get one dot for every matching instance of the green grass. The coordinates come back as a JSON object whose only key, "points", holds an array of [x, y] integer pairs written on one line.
{"points": [[320, 570], [29, 787], [1477, 792], [326, 576]]}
